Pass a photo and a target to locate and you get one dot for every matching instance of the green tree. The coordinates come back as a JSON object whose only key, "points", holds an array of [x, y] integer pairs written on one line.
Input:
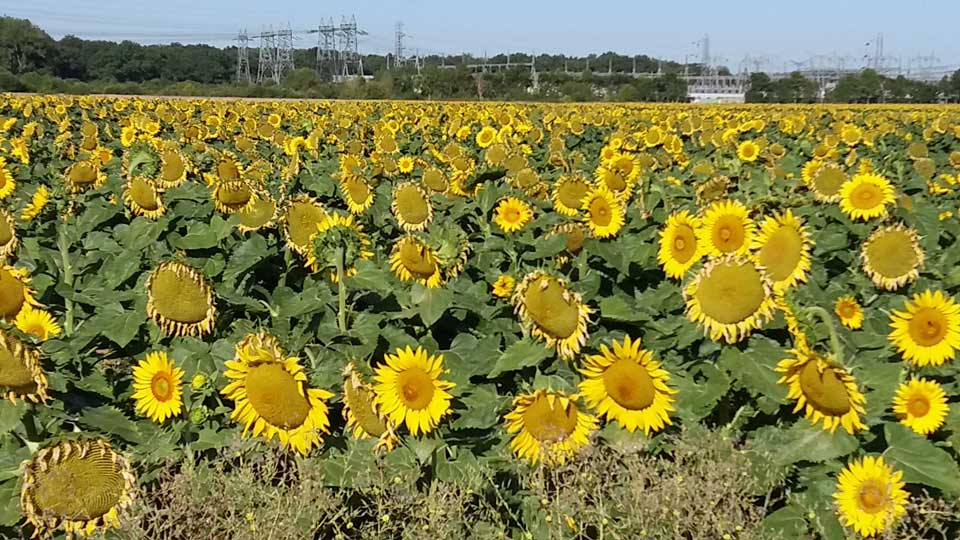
{"points": [[23, 46]]}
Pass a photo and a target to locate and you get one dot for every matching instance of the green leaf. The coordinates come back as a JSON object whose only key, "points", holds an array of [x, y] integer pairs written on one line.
{"points": [[521, 354], [118, 324], [921, 461], [802, 442], [754, 367], [431, 303], [699, 397], [9, 504], [210, 438], [787, 522], [110, 420], [10, 415], [619, 308], [481, 408]]}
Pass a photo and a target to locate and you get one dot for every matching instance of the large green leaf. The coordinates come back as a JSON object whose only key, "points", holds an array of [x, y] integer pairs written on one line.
{"points": [[802, 442], [754, 367], [921, 461], [521, 354], [110, 420], [431, 303]]}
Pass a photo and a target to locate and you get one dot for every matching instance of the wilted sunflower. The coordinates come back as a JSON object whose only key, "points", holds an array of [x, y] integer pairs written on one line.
{"points": [[549, 427], [726, 229], [602, 212], [262, 214], [870, 497], [748, 151], [21, 376], [892, 257], [574, 235], [783, 250], [363, 418], [409, 391], [8, 234], [228, 170], [866, 196], [679, 248], [823, 391], [411, 207], [173, 168], [84, 175], [39, 200], [629, 386], [550, 311], [356, 193], [568, 194], [411, 260], [79, 486], [37, 322], [435, 180], [826, 181], [503, 286], [849, 311], [730, 298], [921, 405], [271, 396], [512, 214], [338, 234], [157, 384], [7, 182], [713, 190], [15, 292], [180, 300], [928, 332], [300, 220], [233, 197], [142, 197]]}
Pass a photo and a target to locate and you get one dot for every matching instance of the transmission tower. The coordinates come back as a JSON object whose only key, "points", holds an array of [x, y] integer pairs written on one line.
{"points": [[284, 54], [398, 46], [351, 64], [276, 54], [327, 51], [267, 58], [243, 58]]}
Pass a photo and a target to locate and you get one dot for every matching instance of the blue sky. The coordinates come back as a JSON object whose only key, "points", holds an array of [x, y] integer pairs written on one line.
{"points": [[774, 33]]}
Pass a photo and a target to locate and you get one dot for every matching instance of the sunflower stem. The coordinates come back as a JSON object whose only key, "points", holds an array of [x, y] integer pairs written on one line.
{"points": [[824, 316], [64, 246], [342, 293]]}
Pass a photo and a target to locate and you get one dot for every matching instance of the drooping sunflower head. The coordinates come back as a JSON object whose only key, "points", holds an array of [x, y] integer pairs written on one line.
{"points": [[783, 250], [512, 214], [228, 169], [628, 385], [271, 396], [603, 212], [300, 220], [15, 292], [409, 390], [921, 405], [574, 235], [142, 198], [866, 196], [84, 175], [549, 310], [927, 333], [338, 236], [849, 311], [730, 298], [826, 181], [157, 385], [360, 411], [892, 256], [713, 190], [679, 247], [568, 194], [232, 197], [549, 427], [411, 260], [727, 228], [173, 168], [180, 300], [823, 390], [79, 486], [870, 497], [356, 192], [435, 180], [8, 234], [262, 214], [21, 376], [411, 207]]}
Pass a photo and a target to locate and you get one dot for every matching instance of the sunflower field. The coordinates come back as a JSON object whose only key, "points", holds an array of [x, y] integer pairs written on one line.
{"points": [[433, 288]]}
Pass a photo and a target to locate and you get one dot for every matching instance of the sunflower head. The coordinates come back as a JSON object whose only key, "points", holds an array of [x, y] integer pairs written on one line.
{"points": [[823, 390], [360, 411], [603, 212], [927, 332], [713, 190], [357, 193], [157, 385], [548, 426], [180, 300], [15, 292], [574, 235], [79, 486], [892, 256], [173, 168], [300, 220], [730, 297], [550, 311], [870, 497], [262, 214], [679, 247], [921, 405], [825, 182], [849, 311], [338, 236], [412, 260], [866, 196], [411, 207], [512, 214], [21, 376], [142, 198], [568, 194], [727, 229], [8, 234], [84, 175], [409, 390], [232, 197], [782, 248], [748, 151]]}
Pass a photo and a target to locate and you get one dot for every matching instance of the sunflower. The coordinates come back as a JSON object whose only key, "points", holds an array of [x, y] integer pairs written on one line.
{"points": [[411, 207], [405, 164], [300, 220], [512, 214], [726, 229], [435, 180], [228, 170], [629, 386], [870, 497], [363, 418], [37, 322], [921, 405], [823, 390], [602, 212], [21, 376], [128, 135], [849, 311], [550, 311], [84, 175], [486, 136], [826, 181], [271, 396], [356, 193], [411, 260], [627, 169], [892, 256], [865, 196], [173, 168], [179, 300], [79, 486], [8, 234], [730, 297], [15, 292], [549, 427], [157, 384], [679, 248], [7, 183], [338, 234], [928, 332], [262, 214], [141, 196], [504, 285], [41, 196], [232, 197], [748, 151], [783, 250], [574, 235], [713, 190], [409, 391]]}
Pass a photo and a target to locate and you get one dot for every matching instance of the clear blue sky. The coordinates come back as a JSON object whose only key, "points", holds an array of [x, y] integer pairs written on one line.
{"points": [[773, 31]]}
